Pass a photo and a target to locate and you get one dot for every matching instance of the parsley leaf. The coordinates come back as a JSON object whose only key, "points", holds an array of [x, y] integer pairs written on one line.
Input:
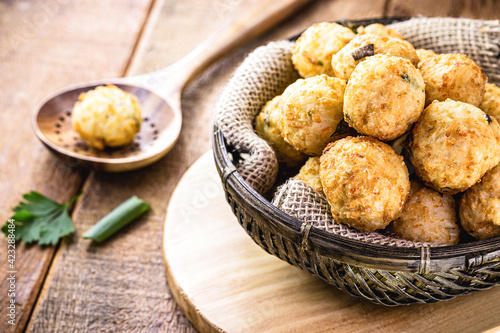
{"points": [[405, 77], [40, 219]]}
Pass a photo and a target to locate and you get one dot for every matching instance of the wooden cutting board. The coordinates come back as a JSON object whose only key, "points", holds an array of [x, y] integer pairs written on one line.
{"points": [[223, 281]]}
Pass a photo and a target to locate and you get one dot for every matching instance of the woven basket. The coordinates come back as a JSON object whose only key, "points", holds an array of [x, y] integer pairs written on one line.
{"points": [[382, 274]]}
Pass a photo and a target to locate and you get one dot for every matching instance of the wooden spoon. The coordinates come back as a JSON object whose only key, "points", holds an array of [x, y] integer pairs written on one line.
{"points": [[158, 92]]}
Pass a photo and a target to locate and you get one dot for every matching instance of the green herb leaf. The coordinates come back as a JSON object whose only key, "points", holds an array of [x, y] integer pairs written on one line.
{"points": [[128, 211], [40, 219], [347, 118], [410, 80]]}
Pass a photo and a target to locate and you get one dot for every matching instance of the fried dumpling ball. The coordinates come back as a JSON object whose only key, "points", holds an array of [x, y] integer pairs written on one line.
{"points": [[379, 29], [384, 96], [428, 216], [453, 145], [309, 174], [453, 76], [424, 54], [365, 182], [107, 117], [311, 112], [491, 101], [344, 61], [313, 50], [480, 207], [266, 126]]}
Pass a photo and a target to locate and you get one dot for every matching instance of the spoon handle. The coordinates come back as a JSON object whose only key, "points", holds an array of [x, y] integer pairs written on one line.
{"points": [[248, 23]]}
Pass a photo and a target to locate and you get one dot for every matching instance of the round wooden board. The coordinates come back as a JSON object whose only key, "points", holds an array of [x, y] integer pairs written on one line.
{"points": [[223, 281]]}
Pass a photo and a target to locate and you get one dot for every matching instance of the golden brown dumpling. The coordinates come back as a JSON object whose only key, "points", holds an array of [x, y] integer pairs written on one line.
{"points": [[309, 174], [106, 117], [384, 97], [424, 54], [453, 145], [379, 29], [344, 61], [428, 216], [365, 182], [453, 76], [491, 101], [311, 112], [313, 50], [480, 207], [266, 126]]}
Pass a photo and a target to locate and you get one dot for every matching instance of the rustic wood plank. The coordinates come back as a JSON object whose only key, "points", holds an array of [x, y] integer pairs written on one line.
{"points": [[30, 31], [45, 45], [120, 285], [80, 293], [484, 9]]}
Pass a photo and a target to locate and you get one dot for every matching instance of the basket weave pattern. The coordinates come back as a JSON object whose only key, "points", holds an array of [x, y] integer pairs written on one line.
{"points": [[400, 274], [377, 285]]}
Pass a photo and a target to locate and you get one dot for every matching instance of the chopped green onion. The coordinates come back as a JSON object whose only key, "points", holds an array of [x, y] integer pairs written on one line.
{"points": [[117, 219]]}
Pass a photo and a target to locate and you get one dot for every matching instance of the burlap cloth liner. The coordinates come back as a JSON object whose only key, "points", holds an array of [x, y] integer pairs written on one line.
{"points": [[268, 70]]}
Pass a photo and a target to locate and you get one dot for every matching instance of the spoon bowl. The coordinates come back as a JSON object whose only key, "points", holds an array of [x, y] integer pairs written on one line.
{"points": [[159, 131], [159, 94]]}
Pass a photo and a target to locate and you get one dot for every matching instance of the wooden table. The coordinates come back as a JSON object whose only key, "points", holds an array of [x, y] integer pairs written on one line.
{"points": [[120, 286]]}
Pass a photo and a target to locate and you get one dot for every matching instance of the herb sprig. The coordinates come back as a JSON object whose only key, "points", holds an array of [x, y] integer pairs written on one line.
{"points": [[40, 219]]}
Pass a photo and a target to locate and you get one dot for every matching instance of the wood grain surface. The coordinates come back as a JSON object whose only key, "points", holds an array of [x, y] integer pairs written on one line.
{"points": [[477, 9], [44, 45], [244, 289]]}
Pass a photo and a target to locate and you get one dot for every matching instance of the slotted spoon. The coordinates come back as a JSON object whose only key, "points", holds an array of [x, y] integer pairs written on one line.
{"points": [[158, 92]]}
